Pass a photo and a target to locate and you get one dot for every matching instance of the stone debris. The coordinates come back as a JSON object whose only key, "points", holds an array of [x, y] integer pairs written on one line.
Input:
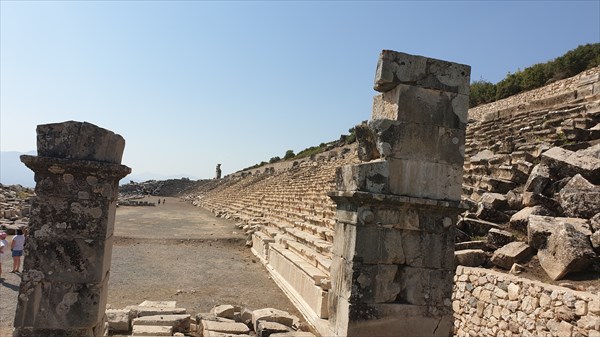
{"points": [[511, 253], [222, 321]]}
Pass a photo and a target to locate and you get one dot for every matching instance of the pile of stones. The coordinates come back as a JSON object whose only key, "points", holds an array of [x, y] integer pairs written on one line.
{"points": [[15, 205], [554, 216], [163, 318]]}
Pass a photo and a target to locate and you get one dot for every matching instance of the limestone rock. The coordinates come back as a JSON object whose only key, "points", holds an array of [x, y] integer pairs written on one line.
{"points": [[495, 200], [225, 311], [294, 334], [567, 250], [266, 329], [225, 327], [511, 253], [534, 199], [519, 220], [541, 227], [565, 163], [488, 213], [475, 227], [538, 179], [479, 244], [273, 315], [470, 257], [499, 238], [180, 323], [152, 330], [119, 320], [580, 198]]}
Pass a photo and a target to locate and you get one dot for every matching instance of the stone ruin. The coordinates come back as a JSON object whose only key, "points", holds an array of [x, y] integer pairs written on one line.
{"points": [[65, 273]]}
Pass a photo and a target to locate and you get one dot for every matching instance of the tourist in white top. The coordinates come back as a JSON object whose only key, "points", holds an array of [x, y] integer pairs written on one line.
{"points": [[3, 249], [17, 245]]}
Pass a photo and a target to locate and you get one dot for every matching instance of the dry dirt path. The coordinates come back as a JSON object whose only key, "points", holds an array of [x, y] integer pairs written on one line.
{"points": [[176, 252]]}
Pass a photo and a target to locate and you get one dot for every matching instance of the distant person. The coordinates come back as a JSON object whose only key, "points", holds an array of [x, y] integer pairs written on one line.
{"points": [[159, 201], [164, 201], [218, 173], [16, 246], [3, 249]]}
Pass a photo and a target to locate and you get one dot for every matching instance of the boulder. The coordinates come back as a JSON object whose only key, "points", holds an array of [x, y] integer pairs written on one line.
{"points": [[273, 315], [511, 253], [567, 250], [565, 163], [538, 179], [580, 198], [499, 238], [533, 199], [225, 311], [541, 227], [520, 219], [514, 199], [470, 257], [119, 320]]}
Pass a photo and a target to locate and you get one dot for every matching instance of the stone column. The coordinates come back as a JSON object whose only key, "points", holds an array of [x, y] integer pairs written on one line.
{"points": [[393, 254], [69, 247]]}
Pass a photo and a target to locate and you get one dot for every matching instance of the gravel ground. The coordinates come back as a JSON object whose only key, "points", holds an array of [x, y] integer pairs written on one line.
{"points": [[175, 252]]}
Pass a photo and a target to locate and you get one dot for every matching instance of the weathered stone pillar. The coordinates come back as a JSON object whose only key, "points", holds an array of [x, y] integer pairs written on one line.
{"points": [[68, 252], [393, 253]]}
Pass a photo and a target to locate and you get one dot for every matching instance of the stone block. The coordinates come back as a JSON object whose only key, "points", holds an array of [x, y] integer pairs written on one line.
{"points": [[475, 227], [499, 238], [423, 179], [273, 315], [225, 327], [76, 140], [511, 253], [538, 179], [180, 323], [141, 311], [470, 257], [266, 328], [367, 177], [151, 330], [580, 198], [567, 250], [159, 304], [119, 320], [495, 200], [565, 163], [422, 142], [395, 68], [426, 106], [540, 227], [520, 220], [420, 286], [488, 213]]}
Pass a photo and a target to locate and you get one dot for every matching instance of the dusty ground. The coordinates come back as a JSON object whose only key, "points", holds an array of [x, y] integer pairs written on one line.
{"points": [[175, 252]]}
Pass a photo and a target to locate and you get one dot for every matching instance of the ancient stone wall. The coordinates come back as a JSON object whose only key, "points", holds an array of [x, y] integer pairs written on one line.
{"points": [[489, 303], [571, 88]]}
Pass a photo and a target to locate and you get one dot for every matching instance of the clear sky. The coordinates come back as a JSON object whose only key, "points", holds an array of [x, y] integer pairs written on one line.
{"points": [[190, 84]]}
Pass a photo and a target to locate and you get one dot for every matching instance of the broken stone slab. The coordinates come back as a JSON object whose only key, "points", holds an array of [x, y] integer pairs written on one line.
{"points": [[151, 330], [531, 199], [538, 179], [273, 315], [565, 163], [394, 68], [580, 198], [151, 311], [180, 323], [511, 253], [520, 220], [159, 304], [208, 333], [499, 237], [266, 329], [478, 244], [225, 311], [119, 320], [470, 257], [226, 327], [567, 250], [541, 227]]}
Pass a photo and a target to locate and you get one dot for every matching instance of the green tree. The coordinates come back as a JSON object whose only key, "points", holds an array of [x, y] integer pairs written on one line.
{"points": [[482, 92], [274, 160], [289, 154]]}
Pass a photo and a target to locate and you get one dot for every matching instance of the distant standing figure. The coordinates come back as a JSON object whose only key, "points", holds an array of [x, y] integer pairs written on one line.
{"points": [[218, 176], [3, 249], [164, 201], [17, 245], [159, 201]]}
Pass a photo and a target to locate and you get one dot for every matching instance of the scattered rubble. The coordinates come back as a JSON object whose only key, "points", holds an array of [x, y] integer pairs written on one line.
{"points": [[163, 318], [15, 205]]}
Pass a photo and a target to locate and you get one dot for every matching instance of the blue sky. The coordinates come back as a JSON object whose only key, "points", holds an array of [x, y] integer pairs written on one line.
{"points": [[191, 84]]}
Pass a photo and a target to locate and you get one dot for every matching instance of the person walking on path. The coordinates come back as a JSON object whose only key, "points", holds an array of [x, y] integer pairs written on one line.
{"points": [[17, 245], [3, 249]]}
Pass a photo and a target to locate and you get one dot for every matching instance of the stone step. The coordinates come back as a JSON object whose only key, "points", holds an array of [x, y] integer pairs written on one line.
{"points": [[179, 323]]}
